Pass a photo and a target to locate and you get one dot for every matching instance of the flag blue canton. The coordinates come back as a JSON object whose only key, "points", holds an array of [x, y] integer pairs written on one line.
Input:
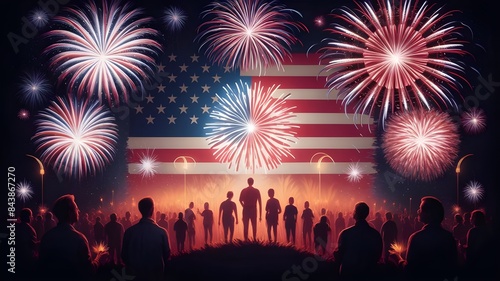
{"points": [[178, 100]]}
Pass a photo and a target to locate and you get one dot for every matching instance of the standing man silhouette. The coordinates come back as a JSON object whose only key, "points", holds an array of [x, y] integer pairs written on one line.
{"points": [[249, 197]]}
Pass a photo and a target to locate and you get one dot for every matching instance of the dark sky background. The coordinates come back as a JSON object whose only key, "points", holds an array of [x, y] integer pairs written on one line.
{"points": [[479, 15]]}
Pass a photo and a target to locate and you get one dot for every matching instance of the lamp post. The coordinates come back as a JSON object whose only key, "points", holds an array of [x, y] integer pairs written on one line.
{"points": [[42, 170], [457, 171], [322, 156], [185, 160]]}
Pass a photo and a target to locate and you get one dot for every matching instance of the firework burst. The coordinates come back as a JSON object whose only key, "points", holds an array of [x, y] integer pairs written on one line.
{"points": [[420, 144], [76, 138], [24, 191], [100, 248], [149, 165], [174, 18], [248, 34], [473, 120], [34, 88], [354, 172], [252, 129], [103, 50], [399, 56], [39, 17], [474, 191], [23, 114]]}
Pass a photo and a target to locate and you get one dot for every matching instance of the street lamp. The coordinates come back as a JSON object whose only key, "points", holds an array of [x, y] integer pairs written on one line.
{"points": [[457, 171], [185, 160], [42, 170], [319, 161]]}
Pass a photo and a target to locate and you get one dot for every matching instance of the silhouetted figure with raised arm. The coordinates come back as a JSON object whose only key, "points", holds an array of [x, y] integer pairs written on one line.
{"points": [[321, 232], [64, 251], [146, 246], [226, 210], [180, 228], [307, 226], [249, 198], [208, 222], [479, 250], [26, 246], [359, 248], [190, 217], [290, 217], [273, 209], [431, 252], [114, 235], [389, 232]]}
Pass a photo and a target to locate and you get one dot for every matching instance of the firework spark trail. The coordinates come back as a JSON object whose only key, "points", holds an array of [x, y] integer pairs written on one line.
{"points": [[420, 144], [252, 130], [248, 34], [76, 138], [400, 56], [103, 51]]}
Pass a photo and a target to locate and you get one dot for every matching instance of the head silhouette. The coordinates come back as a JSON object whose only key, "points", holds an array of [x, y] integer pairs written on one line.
{"points": [[206, 206], [250, 181], [163, 216], [146, 207], [306, 204], [291, 200], [388, 216], [459, 218], [65, 209], [270, 192], [25, 215], [323, 219], [230, 195], [180, 215], [478, 218], [361, 211], [191, 205], [431, 210], [113, 217]]}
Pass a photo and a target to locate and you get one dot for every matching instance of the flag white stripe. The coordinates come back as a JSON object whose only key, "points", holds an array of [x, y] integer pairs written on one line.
{"points": [[201, 143], [307, 94], [284, 168]]}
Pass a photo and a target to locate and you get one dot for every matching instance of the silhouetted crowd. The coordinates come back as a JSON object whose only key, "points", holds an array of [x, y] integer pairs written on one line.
{"points": [[62, 244]]}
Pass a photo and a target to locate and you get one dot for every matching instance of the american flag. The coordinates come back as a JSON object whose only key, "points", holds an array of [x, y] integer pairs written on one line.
{"points": [[167, 127]]}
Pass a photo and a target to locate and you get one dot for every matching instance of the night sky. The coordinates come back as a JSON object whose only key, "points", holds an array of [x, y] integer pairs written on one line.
{"points": [[479, 15]]}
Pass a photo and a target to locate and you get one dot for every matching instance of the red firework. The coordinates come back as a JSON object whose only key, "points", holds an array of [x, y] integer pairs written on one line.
{"points": [[420, 144], [397, 56]]}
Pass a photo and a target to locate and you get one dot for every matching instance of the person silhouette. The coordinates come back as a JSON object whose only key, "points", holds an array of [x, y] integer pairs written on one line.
{"points": [[208, 222], [339, 225], [249, 198], [479, 250], [114, 236], [307, 225], [126, 222], [190, 217], [180, 228], [49, 221], [273, 209], [321, 232], [226, 210], [37, 225], [99, 235], [27, 246], [389, 232], [359, 247], [163, 222], [290, 217], [146, 246], [64, 252], [431, 253]]}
